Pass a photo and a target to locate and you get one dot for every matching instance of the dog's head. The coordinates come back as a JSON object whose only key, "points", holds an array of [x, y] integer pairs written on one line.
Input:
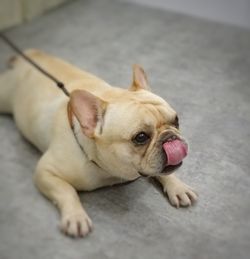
{"points": [[129, 132]]}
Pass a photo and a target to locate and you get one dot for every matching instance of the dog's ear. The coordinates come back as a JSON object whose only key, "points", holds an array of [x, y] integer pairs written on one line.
{"points": [[88, 109], [140, 80]]}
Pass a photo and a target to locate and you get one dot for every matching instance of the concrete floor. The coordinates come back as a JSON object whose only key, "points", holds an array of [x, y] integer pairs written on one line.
{"points": [[203, 70]]}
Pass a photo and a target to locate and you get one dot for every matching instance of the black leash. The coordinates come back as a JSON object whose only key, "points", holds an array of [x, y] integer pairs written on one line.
{"points": [[16, 49]]}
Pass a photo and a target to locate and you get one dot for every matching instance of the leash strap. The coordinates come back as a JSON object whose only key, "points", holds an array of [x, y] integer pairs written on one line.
{"points": [[34, 64]]}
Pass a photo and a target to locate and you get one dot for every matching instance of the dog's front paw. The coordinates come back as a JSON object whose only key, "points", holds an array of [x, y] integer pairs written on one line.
{"points": [[76, 225], [180, 194]]}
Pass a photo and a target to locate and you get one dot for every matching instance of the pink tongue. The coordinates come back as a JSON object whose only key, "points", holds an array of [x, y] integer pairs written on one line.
{"points": [[175, 150]]}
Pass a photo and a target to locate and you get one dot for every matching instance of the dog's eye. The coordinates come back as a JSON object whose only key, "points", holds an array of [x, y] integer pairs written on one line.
{"points": [[141, 138]]}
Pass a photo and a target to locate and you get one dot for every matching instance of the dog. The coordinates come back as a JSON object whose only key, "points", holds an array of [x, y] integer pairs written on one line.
{"points": [[100, 136]]}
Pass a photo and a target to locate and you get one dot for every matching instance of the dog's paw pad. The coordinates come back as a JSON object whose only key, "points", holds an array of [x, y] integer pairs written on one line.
{"points": [[181, 195], [76, 225]]}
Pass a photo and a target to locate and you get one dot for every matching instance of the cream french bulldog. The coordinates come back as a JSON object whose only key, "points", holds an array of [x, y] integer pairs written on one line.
{"points": [[100, 136]]}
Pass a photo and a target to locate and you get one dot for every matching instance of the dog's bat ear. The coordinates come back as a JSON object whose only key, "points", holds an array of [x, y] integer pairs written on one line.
{"points": [[88, 109], [140, 80]]}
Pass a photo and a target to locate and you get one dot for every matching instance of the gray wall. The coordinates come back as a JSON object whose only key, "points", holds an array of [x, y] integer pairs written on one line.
{"points": [[13, 12], [236, 12]]}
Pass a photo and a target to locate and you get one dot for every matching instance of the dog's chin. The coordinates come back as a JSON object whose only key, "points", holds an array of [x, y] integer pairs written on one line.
{"points": [[167, 170]]}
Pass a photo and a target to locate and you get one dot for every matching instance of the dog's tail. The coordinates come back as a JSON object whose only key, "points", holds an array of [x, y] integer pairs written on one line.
{"points": [[7, 87]]}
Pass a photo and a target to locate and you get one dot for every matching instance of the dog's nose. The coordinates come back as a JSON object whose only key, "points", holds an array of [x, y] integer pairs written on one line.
{"points": [[168, 136]]}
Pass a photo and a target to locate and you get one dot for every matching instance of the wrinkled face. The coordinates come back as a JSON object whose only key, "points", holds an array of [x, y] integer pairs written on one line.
{"points": [[133, 133], [129, 132]]}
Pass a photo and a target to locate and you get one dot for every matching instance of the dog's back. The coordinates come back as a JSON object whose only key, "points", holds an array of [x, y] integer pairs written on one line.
{"points": [[34, 99]]}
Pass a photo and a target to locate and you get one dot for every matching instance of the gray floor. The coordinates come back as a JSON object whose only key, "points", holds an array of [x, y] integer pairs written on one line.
{"points": [[203, 70]]}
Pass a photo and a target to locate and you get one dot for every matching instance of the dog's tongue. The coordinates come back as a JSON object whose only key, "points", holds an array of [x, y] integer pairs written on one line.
{"points": [[176, 151]]}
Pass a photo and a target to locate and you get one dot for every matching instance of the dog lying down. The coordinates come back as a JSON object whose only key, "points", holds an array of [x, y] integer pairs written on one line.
{"points": [[100, 136]]}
